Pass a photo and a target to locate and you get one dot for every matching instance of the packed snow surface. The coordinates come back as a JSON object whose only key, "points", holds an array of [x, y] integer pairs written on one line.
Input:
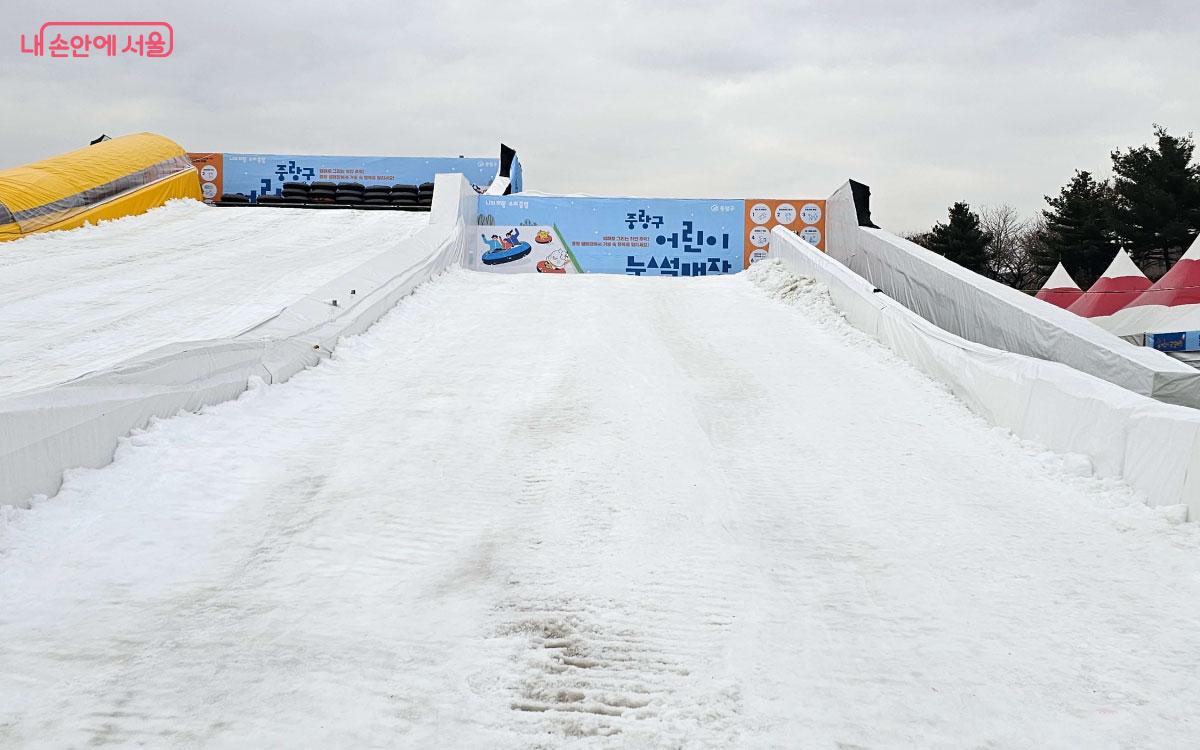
{"points": [[78, 301], [583, 511]]}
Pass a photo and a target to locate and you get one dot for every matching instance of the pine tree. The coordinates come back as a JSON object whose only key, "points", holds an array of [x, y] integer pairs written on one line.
{"points": [[1078, 230], [1157, 212], [961, 239]]}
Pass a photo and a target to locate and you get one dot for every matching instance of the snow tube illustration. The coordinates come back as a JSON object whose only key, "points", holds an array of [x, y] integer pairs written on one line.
{"points": [[497, 256]]}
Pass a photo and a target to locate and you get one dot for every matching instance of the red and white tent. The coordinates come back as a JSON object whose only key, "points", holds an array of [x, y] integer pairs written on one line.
{"points": [[1170, 305], [1117, 287], [1060, 289]]}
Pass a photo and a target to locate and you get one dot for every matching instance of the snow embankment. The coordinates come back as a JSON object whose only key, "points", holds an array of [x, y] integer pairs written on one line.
{"points": [[78, 301]]}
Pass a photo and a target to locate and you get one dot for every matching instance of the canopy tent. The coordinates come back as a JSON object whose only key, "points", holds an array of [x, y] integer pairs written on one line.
{"points": [[1118, 286], [1060, 289], [113, 178], [1170, 305]]}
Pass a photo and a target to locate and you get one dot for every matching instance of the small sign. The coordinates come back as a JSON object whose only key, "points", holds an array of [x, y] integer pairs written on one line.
{"points": [[1183, 341]]}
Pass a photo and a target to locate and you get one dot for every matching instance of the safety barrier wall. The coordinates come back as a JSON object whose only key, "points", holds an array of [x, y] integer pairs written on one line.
{"points": [[987, 312], [78, 424], [1154, 447]]}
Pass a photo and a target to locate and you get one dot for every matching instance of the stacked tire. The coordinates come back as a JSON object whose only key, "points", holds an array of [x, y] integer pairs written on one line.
{"points": [[402, 196], [322, 192], [295, 193], [376, 195], [349, 194], [425, 194]]}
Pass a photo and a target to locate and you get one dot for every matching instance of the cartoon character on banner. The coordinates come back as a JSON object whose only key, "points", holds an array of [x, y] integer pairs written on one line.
{"points": [[555, 262]]}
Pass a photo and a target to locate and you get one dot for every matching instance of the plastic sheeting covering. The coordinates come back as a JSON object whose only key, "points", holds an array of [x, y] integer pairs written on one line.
{"points": [[39, 196], [987, 312], [1154, 447], [181, 185], [45, 432]]}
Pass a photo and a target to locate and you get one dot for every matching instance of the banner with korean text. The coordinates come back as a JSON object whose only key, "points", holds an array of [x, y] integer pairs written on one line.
{"points": [[635, 236]]}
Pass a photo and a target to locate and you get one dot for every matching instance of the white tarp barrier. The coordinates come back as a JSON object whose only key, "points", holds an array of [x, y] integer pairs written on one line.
{"points": [[77, 424], [986, 311], [1154, 447]]}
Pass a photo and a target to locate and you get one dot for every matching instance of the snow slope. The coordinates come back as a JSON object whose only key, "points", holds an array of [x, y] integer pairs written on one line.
{"points": [[74, 302], [591, 511]]}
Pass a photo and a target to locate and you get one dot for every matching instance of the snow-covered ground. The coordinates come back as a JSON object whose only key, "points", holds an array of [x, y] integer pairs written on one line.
{"points": [[74, 302], [583, 511]]}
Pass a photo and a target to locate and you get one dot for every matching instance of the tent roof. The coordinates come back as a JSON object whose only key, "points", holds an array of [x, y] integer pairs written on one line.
{"points": [[1122, 265], [1120, 285], [1179, 286], [1060, 289], [1060, 279]]}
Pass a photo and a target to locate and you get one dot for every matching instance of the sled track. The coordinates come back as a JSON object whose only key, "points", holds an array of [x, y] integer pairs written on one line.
{"points": [[577, 511]]}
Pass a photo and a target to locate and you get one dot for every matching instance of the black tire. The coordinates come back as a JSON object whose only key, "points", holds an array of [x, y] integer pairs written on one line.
{"points": [[270, 199], [295, 188], [295, 198], [377, 189], [401, 202], [357, 187], [404, 189], [375, 202], [352, 200], [322, 186], [321, 193], [426, 186], [234, 198]]}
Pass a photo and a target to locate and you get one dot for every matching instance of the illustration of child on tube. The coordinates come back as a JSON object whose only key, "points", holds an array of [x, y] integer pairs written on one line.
{"points": [[504, 249]]}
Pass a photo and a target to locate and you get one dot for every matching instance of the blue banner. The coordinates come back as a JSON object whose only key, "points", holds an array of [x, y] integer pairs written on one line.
{"points": [[262, 174], [634, 236], [1183, 341]]}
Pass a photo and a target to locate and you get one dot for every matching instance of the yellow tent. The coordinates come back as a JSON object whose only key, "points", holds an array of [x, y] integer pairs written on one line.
{"points": [[114, 178]]}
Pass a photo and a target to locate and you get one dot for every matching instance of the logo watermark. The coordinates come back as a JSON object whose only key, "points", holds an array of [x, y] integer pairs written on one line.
{"points": [[76, 39]]}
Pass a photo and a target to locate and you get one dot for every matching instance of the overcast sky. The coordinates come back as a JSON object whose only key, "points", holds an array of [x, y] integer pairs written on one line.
{"points": [[927, 102]]}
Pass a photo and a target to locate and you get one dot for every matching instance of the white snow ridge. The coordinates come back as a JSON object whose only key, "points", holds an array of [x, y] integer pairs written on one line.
{"points": [[595, 511]]}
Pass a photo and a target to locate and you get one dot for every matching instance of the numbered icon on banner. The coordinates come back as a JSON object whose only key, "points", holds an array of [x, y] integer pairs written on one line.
{"points": [[209, 190], [760, 213], [757, 255], [208, 173], [760, 236], [810, 214], [785, 213], [811, 235]]}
